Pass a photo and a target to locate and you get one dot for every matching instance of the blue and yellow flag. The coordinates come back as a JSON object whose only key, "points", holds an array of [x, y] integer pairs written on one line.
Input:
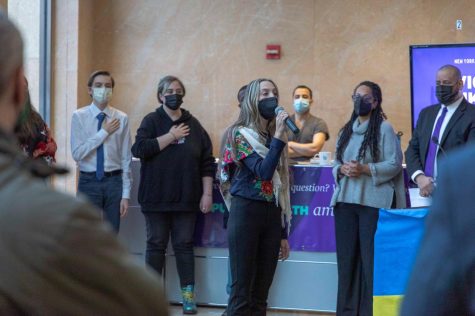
{"points": [[395, 247]]}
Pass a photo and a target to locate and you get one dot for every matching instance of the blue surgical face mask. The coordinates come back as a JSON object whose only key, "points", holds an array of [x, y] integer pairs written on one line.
{"points": [[301, 105]]}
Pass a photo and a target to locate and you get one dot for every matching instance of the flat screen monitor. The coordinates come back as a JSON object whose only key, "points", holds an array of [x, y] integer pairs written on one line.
{"points": [[426, 59]]}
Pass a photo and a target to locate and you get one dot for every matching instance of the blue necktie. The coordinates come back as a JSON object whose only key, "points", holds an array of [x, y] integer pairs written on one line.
{"points": [[100, 150], [431, 153]]}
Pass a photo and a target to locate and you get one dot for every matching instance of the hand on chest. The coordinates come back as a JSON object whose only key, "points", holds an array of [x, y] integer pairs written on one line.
{"points": [[186, 143], [115, 128]]}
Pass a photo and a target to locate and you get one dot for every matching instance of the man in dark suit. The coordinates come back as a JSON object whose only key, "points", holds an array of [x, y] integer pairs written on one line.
{"points": [[445, 126], [443, 277]]}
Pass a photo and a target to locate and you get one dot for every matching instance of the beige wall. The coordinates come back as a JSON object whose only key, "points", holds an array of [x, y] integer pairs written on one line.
{"points": [[213, 46], [369, 40], [73, 31], [216, 46]]}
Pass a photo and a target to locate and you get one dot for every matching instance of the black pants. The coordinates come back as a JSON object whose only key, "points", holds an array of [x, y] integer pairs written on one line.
{"points": [[254, 234], [181, 226], [355, 226]]}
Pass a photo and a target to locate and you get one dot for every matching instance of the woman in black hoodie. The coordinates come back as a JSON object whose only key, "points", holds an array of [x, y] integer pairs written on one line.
{"points": [[176, 177]]}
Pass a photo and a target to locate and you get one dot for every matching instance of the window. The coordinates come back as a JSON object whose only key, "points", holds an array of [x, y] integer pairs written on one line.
{"points": [[33, 18]]}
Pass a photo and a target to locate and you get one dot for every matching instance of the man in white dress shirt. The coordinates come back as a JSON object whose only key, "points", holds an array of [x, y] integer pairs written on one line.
{"points": [[100, 144]]}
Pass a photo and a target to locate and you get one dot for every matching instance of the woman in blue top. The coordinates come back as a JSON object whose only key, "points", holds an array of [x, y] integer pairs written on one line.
{"points": [[254, 180]]}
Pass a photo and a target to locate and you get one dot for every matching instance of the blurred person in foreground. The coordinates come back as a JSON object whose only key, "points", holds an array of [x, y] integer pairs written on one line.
{"points": [[443, 277], [58, 258]]}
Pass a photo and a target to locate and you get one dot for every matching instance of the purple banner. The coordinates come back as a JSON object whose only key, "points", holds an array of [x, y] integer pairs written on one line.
{"points": [[210, 231], [312, 227]]}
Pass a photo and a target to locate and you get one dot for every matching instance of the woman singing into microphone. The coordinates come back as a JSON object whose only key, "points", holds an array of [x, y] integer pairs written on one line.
{"points": [[254, 179]]}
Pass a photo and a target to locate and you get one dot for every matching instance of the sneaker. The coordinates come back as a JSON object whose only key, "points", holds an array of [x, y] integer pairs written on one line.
{"points": [[189, 305]]}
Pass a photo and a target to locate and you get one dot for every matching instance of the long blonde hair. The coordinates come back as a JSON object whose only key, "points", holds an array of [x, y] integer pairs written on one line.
{"points": [[249, 117]]}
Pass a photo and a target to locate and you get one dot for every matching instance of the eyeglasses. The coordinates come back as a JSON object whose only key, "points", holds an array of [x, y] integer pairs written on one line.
{"points": [[365, 98]]}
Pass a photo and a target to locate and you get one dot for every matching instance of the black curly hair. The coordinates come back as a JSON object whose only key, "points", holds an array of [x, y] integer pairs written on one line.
{"points": [[371, 138]]}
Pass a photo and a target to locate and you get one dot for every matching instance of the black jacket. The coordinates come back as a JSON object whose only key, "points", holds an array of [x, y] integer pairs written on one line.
{"points": [[459, 130], [171, 179]]}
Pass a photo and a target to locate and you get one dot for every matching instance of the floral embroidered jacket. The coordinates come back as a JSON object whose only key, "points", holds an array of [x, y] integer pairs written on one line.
{"points": [[253, 180], [42, 146]]}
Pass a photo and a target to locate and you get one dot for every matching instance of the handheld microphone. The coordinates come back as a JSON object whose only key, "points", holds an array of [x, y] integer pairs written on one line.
{"points": [[290, 124], [436, 142]]}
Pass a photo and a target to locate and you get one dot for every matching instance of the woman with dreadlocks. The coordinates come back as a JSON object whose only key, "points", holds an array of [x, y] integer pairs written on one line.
{"points": [[368, 173], [255, 182]]}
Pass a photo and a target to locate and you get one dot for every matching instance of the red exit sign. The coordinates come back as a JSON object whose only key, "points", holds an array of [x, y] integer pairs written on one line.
{"points": [[273, 51]]}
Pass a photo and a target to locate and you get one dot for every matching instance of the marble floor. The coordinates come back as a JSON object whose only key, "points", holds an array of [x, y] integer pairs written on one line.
{"points": [[176, 310]]}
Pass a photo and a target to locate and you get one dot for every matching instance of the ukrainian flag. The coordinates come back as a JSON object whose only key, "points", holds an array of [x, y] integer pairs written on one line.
{"points": [[395, 247]]}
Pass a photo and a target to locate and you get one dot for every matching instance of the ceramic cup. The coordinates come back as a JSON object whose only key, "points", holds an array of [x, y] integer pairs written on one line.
{"points": [[325, 157]]}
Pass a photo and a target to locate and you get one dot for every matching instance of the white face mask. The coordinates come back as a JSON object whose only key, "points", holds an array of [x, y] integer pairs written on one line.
{"points": [[301, 105], [102, 95]]}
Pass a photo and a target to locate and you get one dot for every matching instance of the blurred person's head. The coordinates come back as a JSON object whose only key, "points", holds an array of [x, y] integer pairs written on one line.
{"points": [[99, 86], [240, 95], [170, 92], [12, 82], [302, 99]]}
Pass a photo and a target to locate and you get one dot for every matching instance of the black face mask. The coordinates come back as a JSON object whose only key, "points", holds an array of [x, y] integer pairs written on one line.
{"points": [[173, 101], [445, 94], [267, 107], [362, 107]]}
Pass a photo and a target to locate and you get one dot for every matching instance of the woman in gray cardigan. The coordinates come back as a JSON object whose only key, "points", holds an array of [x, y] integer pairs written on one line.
{"points": [[368, 173]]}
